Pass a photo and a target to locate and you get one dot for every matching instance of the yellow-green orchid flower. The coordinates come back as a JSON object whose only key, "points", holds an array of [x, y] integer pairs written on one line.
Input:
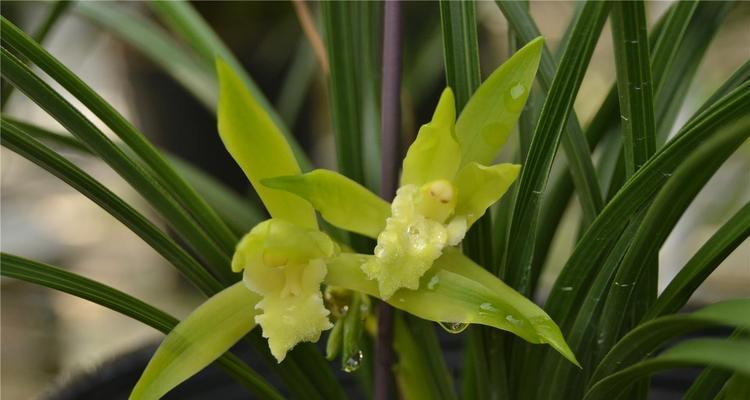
{"points": [[446, 184], [286, 265], [286, 260]]}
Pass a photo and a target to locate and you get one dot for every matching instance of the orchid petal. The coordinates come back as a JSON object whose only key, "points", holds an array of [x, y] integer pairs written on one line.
{"points": [[435, 153], [341, 201], [492, 112], [479, 187], [259, 147]]}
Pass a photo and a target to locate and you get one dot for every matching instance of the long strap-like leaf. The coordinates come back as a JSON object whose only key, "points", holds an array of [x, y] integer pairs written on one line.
{"points": [[727, 354], [174, 184], [729, 236], [18, 141], [650, 336], [144, 182], [574, 142], [669, 205], [58, 279]]}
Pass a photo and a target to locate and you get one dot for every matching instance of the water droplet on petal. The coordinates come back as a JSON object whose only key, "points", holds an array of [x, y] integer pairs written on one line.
{"points": [[513, 320], [566, 288], [352, 363], [487, 307], [454, 327]]}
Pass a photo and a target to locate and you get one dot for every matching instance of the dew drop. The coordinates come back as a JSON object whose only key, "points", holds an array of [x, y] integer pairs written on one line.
{"points": [[566, 288], [487, 307], [433, 282], [454, 327], [343, 310], [517, 91], [513, 320], [352, 363]]}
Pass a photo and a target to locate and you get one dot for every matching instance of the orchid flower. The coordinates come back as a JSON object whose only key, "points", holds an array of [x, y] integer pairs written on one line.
{"points": [[446, 187]]}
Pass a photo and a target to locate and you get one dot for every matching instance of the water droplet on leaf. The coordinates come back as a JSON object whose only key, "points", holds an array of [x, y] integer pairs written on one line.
{"points": [[454, 327]]}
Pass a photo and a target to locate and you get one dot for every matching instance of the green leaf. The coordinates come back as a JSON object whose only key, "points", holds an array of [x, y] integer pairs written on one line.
{"points": [[557, 107], [727, 354], [479, 187], [141, 180], [726, 239], [678, 192], [435, 153], [341, 201], [634, 82], [634, 86], [257, 145], [648, 337], [14, 138], [186, 22], [605, 122], [460, 49], [152, 41], [237, 212], [58, 279], [574, 143], [493, 110], [671, 91], [585, 263], [458, 291], [207, 333], [345, 89], [413, 369], [56, 10]]}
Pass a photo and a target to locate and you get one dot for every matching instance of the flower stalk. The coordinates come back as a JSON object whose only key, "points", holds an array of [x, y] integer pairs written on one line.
{"points": [[391, 124]]}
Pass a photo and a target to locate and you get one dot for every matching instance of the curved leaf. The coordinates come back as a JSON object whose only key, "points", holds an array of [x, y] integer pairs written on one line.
{"points": [[488, 118], [458, 291], [64, 281], [258, 146], [207, 333], [341, 201], [649, 336], [726, 354]]}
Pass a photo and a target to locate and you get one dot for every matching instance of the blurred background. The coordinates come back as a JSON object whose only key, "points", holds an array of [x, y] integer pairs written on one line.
{"points": [[49, 337]]}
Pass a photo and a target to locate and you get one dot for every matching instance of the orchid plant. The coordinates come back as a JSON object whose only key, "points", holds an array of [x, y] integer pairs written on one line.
{"points": [[416, 265], [605, 326]]}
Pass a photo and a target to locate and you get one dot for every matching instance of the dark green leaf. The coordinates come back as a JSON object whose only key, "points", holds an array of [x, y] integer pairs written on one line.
{"points": [[18, 141], [58, 279], [726, 354], [678, 192], [143, 181], [574, 142], [729, 236], [648, 337], [56, 10], [152, 41]]}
